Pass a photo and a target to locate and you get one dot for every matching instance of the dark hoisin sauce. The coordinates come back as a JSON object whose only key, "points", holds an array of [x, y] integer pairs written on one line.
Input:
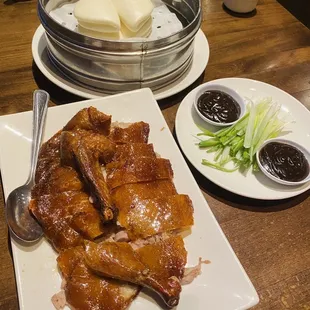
{"points": [[218, 106], [284, 161]]}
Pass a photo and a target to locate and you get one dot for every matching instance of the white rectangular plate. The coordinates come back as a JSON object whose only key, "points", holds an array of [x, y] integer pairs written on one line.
{"points": [[223, 284]]}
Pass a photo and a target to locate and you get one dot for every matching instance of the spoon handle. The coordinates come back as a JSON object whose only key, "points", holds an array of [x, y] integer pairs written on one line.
{"points": [[40, 104]]}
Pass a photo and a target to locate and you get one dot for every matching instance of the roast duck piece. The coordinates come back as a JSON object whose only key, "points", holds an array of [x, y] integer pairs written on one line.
{"points": [[158, 266], [95, 182], [60, 198], [85, 290], [86, 152]]}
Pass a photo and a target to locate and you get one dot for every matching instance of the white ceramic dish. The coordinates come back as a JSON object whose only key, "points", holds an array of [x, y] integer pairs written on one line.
{"points": [[291, 143], [223, 284], [213, 86], [39, 54], [250, 185]]}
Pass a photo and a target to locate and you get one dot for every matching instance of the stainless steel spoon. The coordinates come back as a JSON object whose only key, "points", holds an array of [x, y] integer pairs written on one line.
{"points": [[20, 221]]}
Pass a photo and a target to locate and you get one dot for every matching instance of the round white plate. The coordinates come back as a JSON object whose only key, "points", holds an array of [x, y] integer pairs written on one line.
{"points": [[251, 185], [39, 53]]}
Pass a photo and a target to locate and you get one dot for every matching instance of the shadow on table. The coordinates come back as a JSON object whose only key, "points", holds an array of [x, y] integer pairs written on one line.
{"points": [[240, 15], [238, 201], [299, 8], [177, 98], [10, 2], [60, 96], [57, 94]]}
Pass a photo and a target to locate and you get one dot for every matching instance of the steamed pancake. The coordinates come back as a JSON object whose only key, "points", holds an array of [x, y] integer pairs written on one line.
{"points": [[98, 34], [143, 32], [134, 13], [97, 15]]}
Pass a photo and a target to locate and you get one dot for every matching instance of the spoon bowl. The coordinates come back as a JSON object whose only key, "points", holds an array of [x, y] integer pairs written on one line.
{"points": [[19, 219], [21, 223]]}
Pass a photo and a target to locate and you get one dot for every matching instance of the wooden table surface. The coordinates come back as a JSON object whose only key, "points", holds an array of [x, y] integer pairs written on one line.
{"points": [[271, 239]]}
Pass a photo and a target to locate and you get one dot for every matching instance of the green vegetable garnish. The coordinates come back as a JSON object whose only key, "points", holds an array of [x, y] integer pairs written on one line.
{"points": [[218, 167], [240, 142]]}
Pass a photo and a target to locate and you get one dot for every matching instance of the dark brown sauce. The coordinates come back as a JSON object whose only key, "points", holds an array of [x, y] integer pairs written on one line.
{"points": [[218, 106], [284, 161]]}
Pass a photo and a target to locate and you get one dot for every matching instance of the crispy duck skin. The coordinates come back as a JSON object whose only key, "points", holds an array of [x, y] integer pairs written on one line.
{"points": [[49, 156], [56, 180], [45, 166], [58, 203], [69, 144], [84, 290], [145, 218], [91, 171], [51, 177], [126, 195], [98, 145], [90, 119], [134, 133], [124, 151], [67, 218], [159, 266], [85, 151], [138, 169], [51, 147]]}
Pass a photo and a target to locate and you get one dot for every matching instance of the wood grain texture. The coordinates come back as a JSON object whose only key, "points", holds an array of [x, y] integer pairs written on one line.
{"points": [[271, 239]]}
